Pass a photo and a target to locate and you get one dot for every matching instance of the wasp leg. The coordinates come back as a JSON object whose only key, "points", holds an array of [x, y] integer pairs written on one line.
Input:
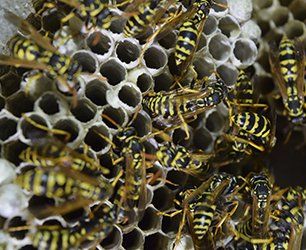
{"points": [[42, 127]]}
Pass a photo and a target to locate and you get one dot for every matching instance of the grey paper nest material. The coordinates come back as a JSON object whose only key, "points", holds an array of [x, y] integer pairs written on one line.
{"points": [[113, 82]]}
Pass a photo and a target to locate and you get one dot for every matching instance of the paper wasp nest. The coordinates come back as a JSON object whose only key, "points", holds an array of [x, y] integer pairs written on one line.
{"points": [[116, 79]]}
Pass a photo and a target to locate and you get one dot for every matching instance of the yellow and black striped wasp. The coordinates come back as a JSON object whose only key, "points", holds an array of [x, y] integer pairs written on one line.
{"points": [[177, 106], [37, 52], [72, 188], [146, 14], [212, 202], [180, 159], [88, 231], [287, 66], [48, 152], [250, 130], [191, 24]]}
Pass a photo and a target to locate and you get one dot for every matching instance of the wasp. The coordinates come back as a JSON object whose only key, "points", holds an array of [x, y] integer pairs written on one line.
{"points": [[178, 105], [287, 66], [37, 52], [201, 205], [62, 183], [50, 153], [147, 14], [249, 129], [261, 192], [179, 158], [92, 229]]}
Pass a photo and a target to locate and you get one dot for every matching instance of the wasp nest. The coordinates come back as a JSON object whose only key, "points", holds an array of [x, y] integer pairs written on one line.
{"points": [[116, 74]]}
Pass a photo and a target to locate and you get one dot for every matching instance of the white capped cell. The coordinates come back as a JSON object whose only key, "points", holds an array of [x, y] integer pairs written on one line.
{"points": [[242, 10], [7, 172], [12, 200]]}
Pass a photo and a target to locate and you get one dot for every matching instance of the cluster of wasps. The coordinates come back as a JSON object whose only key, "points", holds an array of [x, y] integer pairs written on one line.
{"points": [[247, 212]]}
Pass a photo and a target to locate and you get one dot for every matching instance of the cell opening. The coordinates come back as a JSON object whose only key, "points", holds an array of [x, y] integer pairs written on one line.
{"points": [[87, 62], [219, 47], [155, 58], [129, 96], [96, 92], [144, 82], [8, 128], [117, 115], [132, 240], [113, 71], [96, 142], [49, 104], [69, 126], [127, 52], [99, 43], [83, 111]]}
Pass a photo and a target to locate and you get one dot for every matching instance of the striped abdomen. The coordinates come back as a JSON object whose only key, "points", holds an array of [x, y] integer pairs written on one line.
{"points": [[54, 184], [135, 180], [243, 89], [139, 22], [167, 106], [186, 41], [288, 60], [218, 91], [25, 49], [203, 214], [252, 123]]}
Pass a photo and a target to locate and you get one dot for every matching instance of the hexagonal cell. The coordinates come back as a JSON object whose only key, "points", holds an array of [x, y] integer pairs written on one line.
{"points": [[96, 92], [127, 51], [99, 43], [168, 41], [84, 111], [49, 104], [229, 26], [179, 136], [87, 60], [158, 176], [67, 125], [113, 240], [8, 127], [97, 143], [163, 82], [11, 150], [129, 95], [114, 71], [106, 161], [155, 59], [142, 123], [211, 25], [162, 199], [150, 221], [117, 25], [219, 47], [10, 83], [214, 122], [280, 16], [202, 139], [133, 240], [203, 66], [228, 73], [298, 8], [245, 52], [295, 29], [170, 225], [158, 240], [29, 131], [19, 103], [117, 117]]}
